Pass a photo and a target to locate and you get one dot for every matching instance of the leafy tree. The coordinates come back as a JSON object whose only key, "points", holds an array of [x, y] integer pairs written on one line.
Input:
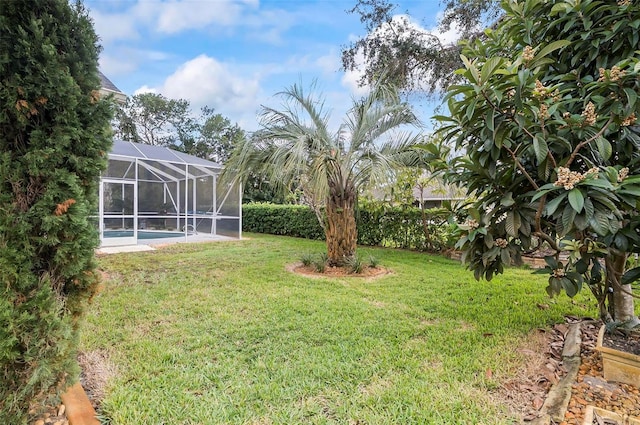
{"points": [[54, 139], [213, 137], [257, 188], [296, 146], [547, 116], [153, 119], [428, 174], [409, 186], [406, 55]]}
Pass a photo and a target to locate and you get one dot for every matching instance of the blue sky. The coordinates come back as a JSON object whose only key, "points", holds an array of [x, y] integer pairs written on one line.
{"points": [[234, 55]]}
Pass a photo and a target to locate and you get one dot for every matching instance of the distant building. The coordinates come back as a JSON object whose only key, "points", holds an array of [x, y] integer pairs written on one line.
{"points": [[434, 194], [431, 194]]}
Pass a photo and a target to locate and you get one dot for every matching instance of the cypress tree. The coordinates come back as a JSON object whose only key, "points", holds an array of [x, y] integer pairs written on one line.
{"points": [[54, 139]]}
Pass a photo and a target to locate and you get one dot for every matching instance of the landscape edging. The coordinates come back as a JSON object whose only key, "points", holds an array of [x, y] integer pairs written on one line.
{"points": [[557, 401]]}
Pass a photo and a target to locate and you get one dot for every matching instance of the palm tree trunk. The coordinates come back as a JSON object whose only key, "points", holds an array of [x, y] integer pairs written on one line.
{"points": [[622, 301], [341, 231]]}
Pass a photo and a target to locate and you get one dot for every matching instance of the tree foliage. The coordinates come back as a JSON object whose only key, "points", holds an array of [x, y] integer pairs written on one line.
{"points": [[547, 116], [296, 146], [54, 139], [401, 52], [214, 137], [153, 119]]}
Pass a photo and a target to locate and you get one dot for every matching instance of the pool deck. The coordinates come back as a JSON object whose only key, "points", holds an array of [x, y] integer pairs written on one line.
{"points": [[153, 244], [125, 248]]}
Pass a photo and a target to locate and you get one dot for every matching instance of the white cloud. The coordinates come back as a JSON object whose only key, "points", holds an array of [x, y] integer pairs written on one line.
{"points": [[145, 89], [411, 29], [175, 16], [112, 27], [329, 63], [448, 37], [115, 66], [353, 38], [206, 81], [170, 17], [351, 79], [123, 60], [268, 26], [272, 36]]}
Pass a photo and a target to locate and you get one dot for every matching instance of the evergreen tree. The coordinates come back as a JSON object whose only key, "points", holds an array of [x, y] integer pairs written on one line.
{"points": [[54, 139]]}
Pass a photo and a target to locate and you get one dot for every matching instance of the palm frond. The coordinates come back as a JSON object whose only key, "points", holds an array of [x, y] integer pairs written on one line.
{"points": [[295, 143]]}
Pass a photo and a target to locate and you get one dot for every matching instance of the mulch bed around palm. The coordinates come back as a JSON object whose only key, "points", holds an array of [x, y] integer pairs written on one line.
{"points": [[331, 271]]}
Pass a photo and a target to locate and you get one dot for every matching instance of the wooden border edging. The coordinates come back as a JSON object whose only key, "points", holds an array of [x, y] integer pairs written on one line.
{"points": [[78, 408]]}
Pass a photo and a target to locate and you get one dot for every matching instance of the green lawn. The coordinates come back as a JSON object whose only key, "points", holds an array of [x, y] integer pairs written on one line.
{"points": [[220, 333]]}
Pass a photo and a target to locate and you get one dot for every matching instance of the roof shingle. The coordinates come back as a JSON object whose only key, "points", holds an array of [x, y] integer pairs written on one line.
{"points": [[107, 84]]}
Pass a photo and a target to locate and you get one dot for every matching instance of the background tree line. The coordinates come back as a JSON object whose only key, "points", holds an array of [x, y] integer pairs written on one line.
{"points": [[153, 119]]}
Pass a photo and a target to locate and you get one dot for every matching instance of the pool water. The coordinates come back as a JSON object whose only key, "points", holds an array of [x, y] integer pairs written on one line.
{"points": [[141, 234]]}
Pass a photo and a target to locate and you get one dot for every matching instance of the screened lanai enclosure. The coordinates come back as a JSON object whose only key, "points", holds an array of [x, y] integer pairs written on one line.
{"points": [[152, 193]]}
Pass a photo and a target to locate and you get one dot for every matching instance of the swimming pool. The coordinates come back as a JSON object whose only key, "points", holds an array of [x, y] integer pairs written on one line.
{"points": [[142, 234]]}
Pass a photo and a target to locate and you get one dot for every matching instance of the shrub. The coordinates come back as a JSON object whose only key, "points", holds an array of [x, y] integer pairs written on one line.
{"points": [[54, 138], [288, 220], [545, 120], [306, 259], [378, 225], [320, 264], [324, 257], [355, 264]]}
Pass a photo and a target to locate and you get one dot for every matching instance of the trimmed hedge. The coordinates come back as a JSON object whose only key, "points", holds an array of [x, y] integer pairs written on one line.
{"points": [[287, 220], [378, 225]]}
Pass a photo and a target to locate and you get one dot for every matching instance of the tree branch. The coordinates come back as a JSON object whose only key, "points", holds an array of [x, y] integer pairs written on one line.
{"points": [[522, 169], [541, 205], [582, 144], [548, 239]]}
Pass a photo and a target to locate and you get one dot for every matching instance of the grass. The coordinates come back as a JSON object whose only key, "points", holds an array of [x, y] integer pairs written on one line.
{"points": [[221, 333]]}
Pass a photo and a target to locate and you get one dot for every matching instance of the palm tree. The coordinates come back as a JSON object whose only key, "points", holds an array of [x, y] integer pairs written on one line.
{"points": [[295, 146]]}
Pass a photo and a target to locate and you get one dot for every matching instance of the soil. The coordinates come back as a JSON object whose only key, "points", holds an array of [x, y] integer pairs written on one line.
{"points": [[619, 341], [526, 389], [96, 371], [525, 393]]}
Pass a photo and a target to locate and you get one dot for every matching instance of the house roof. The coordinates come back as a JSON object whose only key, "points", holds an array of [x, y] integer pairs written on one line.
{"points": [[437, 192], [158, 153], [107, 88], [106, 83]]}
